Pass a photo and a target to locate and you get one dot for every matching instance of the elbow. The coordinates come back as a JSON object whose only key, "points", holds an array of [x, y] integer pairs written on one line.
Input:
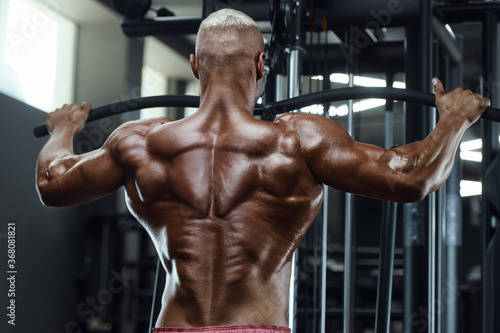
{"points": [[415, 190], [47, 195], [51, 201], [45, 198], [414, 196]]}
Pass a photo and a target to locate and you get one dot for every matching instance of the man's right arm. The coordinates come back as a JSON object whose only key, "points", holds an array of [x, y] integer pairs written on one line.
{"points": [[404, 174], [66, 179]]}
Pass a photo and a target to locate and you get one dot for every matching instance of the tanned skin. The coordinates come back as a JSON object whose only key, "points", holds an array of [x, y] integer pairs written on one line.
{"points": [[227, 198]]}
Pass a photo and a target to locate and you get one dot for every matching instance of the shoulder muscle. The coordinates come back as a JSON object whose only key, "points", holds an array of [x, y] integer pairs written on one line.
{"points": [[132, 135]]}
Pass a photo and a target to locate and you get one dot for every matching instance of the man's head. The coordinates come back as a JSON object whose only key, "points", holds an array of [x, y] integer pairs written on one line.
{"points": [[229, 44]]}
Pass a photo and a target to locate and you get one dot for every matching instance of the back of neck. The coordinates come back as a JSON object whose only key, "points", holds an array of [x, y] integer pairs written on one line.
{"points": [[232, 95]]}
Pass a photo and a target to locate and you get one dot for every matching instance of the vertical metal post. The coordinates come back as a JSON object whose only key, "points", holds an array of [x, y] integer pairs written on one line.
{"points": [[450, 235], [349, 276], [432, 245], [278, 86], [316, 304], [437, 68], [386, 268], [440, 259], [387, 240], [389, 124], [293, 73], [418, 76], [324, 259], [208, 8], [324, 256], [293, 91], [350, 227], [453, 240], [431, 291]]}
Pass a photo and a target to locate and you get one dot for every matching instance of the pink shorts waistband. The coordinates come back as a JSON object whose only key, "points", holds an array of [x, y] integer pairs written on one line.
{"points": [[226, 329]]}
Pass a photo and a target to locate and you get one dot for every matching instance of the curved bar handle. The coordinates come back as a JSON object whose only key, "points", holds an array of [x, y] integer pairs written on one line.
{"points": [[334, 95], [275, 108], [131, 105]]}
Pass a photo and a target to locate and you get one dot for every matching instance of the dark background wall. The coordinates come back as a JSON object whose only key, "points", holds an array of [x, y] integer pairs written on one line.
{"points": [[49, 241]]}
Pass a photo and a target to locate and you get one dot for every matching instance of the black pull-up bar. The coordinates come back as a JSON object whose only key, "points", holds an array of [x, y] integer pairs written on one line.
{"points": [[275, 108]]}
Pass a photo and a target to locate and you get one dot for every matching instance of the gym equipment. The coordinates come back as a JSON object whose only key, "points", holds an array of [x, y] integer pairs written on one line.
{"points": [[275, 108]]}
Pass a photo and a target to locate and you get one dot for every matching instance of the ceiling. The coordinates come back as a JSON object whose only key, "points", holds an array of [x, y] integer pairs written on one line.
{"points": [[181, 7], [184, 44]]}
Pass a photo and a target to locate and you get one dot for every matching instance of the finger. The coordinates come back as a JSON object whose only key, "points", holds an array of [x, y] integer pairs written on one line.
{"points": [[86, 106], [487, 102], [484, 102], [438, 88]]}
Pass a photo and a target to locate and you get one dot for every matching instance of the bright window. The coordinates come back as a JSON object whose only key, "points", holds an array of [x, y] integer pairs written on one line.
{"points": [[37, 57], [154, 83]]}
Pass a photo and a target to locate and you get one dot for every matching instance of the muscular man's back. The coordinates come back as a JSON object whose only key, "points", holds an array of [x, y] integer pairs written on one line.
{"points": [[226, 199]]}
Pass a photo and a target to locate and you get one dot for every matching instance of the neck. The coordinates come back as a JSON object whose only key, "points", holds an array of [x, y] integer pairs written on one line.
{"points": [[227, 94]]}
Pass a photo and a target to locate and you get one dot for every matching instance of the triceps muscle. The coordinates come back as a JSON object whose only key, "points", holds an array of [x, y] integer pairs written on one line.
{"points": [[77, 179]]}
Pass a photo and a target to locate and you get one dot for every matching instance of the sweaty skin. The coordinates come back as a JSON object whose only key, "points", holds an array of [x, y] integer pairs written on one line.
{"points": [[227, 198]]}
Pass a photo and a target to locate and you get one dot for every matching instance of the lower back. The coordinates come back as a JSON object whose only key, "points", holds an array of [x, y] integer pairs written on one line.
{"points": [[221, 303]]}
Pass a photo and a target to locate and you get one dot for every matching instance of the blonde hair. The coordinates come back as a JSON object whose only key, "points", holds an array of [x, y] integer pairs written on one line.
{"points": [[225, 18]]}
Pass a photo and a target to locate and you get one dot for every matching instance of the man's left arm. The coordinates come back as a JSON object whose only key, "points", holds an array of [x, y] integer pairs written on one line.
{"points": [[66, 179]]}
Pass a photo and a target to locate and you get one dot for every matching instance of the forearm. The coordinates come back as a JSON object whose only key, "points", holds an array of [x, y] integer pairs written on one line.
{"points": [[431, 160], [59, 145]]}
